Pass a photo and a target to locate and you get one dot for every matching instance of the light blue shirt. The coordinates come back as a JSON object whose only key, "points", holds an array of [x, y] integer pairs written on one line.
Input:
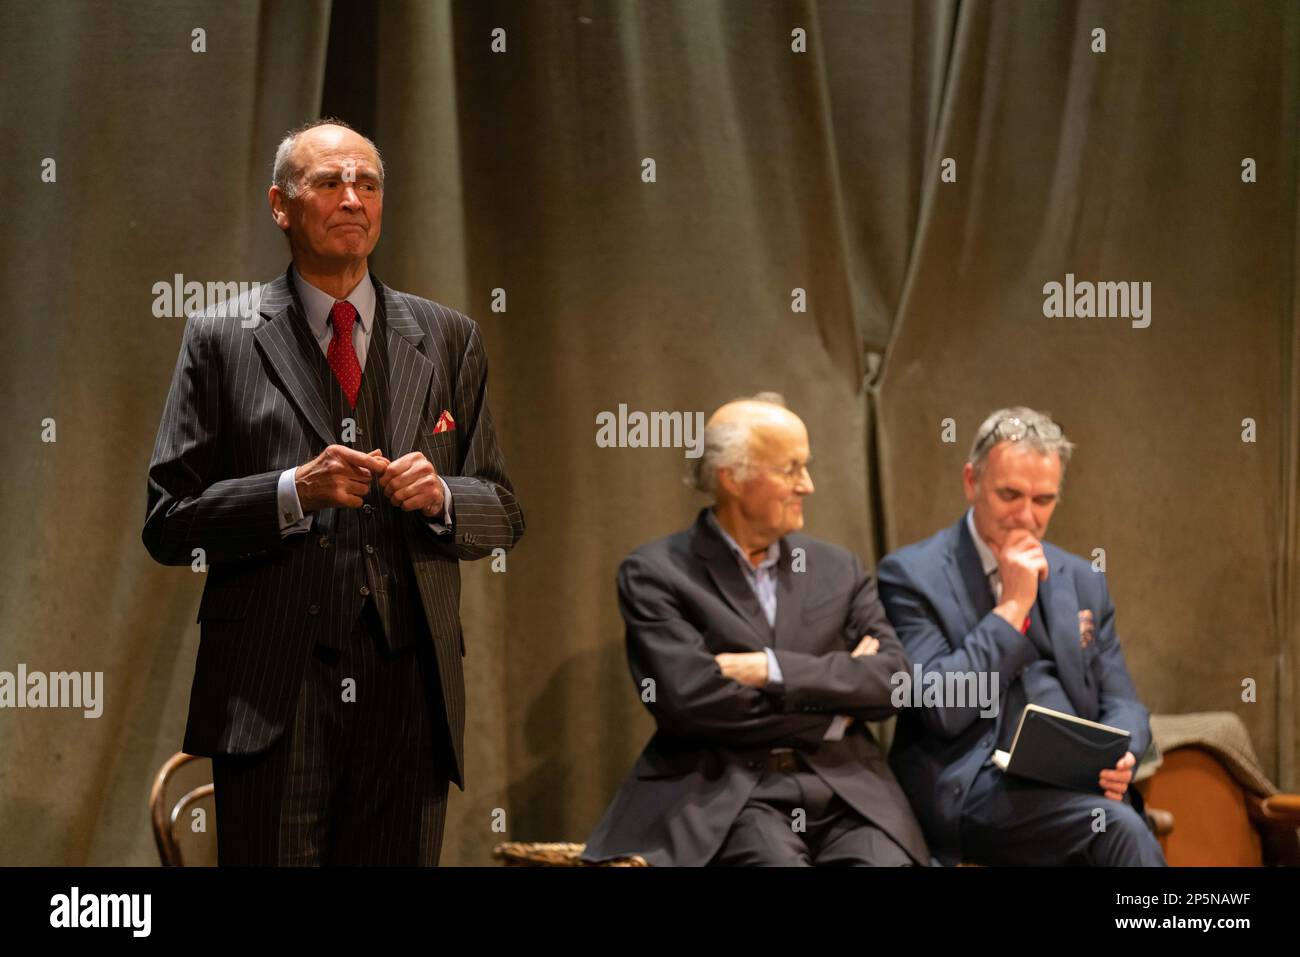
{"points": [[762, 579], [318, 305]]}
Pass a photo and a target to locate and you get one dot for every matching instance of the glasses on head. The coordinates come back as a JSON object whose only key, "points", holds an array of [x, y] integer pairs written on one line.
{"points": [[1013, 429], [793, 472]]}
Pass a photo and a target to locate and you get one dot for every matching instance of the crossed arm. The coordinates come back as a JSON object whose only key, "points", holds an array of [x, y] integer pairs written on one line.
{"points": [[684, 686]]}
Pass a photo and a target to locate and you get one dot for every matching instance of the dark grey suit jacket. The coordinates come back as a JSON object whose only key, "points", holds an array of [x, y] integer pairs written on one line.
{"points": [[685, 599], [245, 404]]}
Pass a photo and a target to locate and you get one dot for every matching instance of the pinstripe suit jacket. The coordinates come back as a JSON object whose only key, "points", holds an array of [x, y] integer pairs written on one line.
{"points": [[245, 404]]}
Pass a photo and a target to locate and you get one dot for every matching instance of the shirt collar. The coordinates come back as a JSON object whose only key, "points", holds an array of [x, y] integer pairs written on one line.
{"points": [[773, 550], [987, 558], [317, 303]]}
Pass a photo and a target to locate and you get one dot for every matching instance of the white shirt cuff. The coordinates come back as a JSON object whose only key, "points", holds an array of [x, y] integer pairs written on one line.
{"points": [[289, 509], [836, 731], [774, 680]]}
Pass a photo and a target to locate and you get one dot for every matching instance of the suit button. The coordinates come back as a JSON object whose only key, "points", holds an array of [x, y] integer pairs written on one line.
{"points": [[367, 509], [365, 589], [324, 541], [313, 609], [956, 789], [370, 549]]}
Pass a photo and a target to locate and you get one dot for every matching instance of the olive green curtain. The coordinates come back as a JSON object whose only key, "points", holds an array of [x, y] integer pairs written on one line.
{"points": [[516, 179]]}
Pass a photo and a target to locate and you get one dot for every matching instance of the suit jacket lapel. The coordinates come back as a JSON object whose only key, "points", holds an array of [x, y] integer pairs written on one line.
{"points": [[725, 573], [966, 575], [286, 341], [410, 370], [1060, 607], [791, 595]]}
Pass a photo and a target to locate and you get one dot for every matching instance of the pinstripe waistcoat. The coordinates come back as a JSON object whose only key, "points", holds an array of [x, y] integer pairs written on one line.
{"points": [[363, 551]]}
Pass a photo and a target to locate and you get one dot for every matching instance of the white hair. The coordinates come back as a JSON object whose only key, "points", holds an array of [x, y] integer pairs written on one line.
{"points": [[726, 445]]}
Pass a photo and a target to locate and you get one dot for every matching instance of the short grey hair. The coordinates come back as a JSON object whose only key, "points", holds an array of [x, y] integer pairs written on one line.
{"points": [[285, 174], [1026, 428], [726, 445]]}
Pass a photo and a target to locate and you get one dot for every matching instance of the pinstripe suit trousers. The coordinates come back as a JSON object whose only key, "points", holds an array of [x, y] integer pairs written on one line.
{"points": [[360, 781]]}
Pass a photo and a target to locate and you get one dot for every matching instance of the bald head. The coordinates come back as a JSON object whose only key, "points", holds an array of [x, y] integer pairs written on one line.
{"points": [[322, 139], [768, 429], [755, 465]]}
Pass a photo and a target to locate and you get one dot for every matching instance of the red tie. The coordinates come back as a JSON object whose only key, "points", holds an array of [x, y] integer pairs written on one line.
{"points": [[343, 358]]}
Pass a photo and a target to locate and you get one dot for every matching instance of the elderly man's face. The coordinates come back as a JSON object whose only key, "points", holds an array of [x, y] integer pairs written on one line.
{"points": [[1018, 489], [337, 213], [771, 499]]}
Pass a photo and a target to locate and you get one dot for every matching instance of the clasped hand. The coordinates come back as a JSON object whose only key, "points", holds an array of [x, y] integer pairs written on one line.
{"points": [[340, 477]]}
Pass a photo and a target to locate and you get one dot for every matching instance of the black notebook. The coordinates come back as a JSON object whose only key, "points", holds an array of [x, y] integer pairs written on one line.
{"points": [[1058, 748]]}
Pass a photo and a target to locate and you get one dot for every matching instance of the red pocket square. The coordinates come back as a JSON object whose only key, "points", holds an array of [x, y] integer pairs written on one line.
{"points": [[445, 423]]}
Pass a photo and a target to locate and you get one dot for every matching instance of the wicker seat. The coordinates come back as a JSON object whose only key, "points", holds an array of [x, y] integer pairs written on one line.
{"points": [[561, 854]]}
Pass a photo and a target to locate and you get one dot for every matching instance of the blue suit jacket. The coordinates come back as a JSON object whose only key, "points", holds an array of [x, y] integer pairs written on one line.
{"points": [[939, 602]]}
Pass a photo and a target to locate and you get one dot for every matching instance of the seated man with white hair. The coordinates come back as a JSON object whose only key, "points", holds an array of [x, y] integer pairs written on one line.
{"points": [[760, 652], [987, 597]]}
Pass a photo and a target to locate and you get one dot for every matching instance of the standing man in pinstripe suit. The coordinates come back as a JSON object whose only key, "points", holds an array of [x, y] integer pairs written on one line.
{"points": [[331, 460]]}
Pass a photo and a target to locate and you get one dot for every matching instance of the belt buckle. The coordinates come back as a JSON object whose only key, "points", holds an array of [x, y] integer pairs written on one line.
{"points": [[783, 761]]}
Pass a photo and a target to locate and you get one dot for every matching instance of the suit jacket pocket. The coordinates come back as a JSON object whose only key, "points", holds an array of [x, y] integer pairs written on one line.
{"points": [[440, 449], [439, 440], [224, 602]]}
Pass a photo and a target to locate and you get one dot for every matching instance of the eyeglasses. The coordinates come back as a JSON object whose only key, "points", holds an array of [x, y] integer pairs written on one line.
{"points": [[1013, 429], [793, 473]]}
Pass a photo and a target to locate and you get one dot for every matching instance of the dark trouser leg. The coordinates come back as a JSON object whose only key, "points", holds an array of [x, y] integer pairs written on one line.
{"points": [[273, 808], [1014, 821], [762, 834], [851, 840], [840, 836], [795, 819], [395, 788]]}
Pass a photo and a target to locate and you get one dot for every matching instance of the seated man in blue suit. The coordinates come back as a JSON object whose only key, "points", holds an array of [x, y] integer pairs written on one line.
{"points": [[988, 595]]}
